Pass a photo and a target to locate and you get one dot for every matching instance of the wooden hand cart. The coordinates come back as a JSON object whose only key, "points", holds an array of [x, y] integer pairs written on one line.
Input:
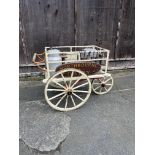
{"points": [[77, 71]]}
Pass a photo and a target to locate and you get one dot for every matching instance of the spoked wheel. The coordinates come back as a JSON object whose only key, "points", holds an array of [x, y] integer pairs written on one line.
{"points": [[72, 91], [102, 85]]}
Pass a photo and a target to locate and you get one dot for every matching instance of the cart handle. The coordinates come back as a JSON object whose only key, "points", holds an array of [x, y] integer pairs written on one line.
{"points": [[41, 60]]}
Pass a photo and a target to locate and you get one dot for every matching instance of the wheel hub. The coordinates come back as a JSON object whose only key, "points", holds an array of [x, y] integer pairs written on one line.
{"points": [[69, 92], [103, 84]]}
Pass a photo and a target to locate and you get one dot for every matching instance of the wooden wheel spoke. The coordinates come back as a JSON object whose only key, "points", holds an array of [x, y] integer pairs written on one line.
{"points": [[105, 89], [107, 80], [100, 80], [64, 80], [80, 85], [66, 102], [61, 99], [59, 84], [71, 78], [78, 97], [100, 89], [97, 87], [73, 100], [80, 91], [108, 84], [56, 96], [55, 89], [77, 81], [96, 83]]}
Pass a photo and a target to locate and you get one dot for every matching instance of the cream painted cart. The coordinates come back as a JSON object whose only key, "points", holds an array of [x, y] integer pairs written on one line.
{"points": [[72, 73]]}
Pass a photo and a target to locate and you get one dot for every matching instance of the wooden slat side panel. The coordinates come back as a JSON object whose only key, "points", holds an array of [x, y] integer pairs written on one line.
{"points": [[126, 40]]}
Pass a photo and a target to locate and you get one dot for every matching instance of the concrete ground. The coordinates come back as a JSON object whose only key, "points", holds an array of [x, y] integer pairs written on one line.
{"points": [[103, 126]]}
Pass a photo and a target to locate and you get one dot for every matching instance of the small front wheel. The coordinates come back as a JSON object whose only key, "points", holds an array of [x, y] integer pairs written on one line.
{"points": [[102, 85], [72, 91]]}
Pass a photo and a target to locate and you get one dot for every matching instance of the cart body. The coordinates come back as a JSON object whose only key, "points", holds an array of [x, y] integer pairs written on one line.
{"points": [[72, 72]]}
